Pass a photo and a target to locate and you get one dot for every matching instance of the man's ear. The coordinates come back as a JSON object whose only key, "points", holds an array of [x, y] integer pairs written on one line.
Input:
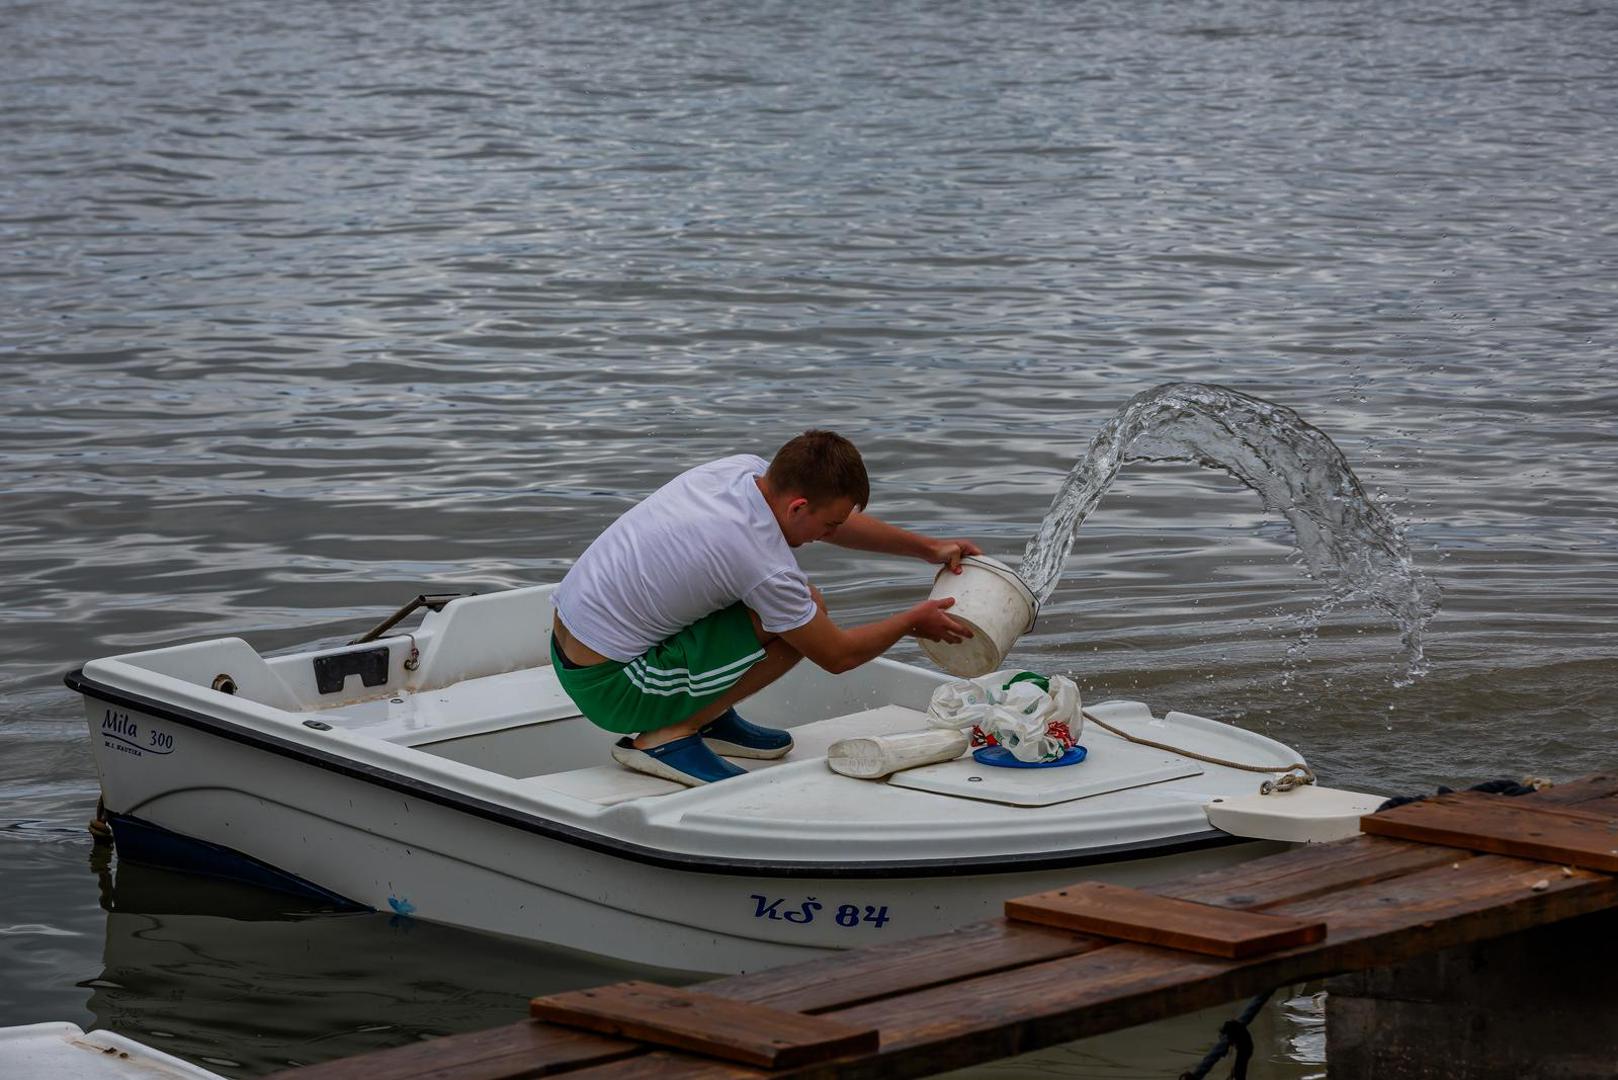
{"points": [[797, 504]]}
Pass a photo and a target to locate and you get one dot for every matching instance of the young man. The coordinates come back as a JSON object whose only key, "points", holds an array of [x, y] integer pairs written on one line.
{"points": [[693, 600]]}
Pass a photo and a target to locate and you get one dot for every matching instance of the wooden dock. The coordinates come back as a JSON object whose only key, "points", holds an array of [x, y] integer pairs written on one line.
{"points": [[1445, 872]]}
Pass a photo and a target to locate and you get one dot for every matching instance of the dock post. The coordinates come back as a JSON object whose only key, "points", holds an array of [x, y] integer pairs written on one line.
{"points": [[1539, 1002]]}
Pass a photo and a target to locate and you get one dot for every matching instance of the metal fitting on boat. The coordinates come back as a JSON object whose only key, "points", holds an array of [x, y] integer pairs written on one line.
{"points": [[224, 683]]}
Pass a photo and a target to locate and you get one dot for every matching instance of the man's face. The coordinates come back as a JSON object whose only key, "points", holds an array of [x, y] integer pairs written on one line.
{"points": [[807, 522]]}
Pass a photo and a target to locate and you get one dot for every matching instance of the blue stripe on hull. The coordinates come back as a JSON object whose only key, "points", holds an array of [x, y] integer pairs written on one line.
{"points": [[142, 842]]}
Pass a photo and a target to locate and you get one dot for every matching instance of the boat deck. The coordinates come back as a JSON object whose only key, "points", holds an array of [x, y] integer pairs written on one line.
{"points": [[434, 719], [534, 696]]}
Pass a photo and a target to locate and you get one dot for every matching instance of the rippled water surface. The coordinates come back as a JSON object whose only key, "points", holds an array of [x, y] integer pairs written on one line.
{"points": [[311, 307]]}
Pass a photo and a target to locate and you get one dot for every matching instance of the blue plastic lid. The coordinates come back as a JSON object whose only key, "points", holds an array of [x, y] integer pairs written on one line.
{"points": [[1000, 757]]}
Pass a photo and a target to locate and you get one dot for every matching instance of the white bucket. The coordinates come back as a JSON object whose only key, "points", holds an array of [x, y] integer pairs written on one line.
{"points": [[992, 600]]}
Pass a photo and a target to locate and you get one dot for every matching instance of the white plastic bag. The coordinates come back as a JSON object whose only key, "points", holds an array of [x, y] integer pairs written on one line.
{"points": [[1017, 716]]}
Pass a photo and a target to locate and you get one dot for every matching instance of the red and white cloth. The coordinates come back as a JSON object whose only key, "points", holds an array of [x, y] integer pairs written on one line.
{"points": [[1032, 723]]}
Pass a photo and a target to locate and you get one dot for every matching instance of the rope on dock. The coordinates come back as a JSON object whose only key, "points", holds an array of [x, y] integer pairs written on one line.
{"points": [[1232, 1033]]}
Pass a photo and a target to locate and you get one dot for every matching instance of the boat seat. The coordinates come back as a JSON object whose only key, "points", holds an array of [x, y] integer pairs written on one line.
{"points": [[504, 631], [469, 707], [200, 662]]}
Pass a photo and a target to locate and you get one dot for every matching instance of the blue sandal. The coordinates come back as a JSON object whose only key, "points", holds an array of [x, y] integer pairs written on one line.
{"points": [[732, 736], [685, 761]]}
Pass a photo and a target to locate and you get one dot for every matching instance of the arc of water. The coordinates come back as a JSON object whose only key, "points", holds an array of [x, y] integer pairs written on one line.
{"points": [[1346, 540]]}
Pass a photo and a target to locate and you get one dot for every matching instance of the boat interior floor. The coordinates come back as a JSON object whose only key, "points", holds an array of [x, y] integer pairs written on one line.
{"points": [[609, 784], [533, 696]]}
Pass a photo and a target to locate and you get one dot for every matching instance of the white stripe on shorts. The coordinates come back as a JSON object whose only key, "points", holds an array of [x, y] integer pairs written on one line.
{"points": [[661, 674], [724, 682]]}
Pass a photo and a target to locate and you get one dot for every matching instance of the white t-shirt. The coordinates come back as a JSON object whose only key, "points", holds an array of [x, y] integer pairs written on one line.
{"points": [[701, 542]]}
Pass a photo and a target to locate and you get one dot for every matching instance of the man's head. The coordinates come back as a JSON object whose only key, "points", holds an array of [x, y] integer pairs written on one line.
{"points": [[813, 484]]}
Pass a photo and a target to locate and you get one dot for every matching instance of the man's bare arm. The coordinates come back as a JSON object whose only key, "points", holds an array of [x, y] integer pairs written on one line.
{"points": [[863, 532], [837, 650]]}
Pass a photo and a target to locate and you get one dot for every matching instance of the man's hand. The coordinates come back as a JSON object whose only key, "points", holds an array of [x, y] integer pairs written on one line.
{"points": [[927, 620], [950, 553]]}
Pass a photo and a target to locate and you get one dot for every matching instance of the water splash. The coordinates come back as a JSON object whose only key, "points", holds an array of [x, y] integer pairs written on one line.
{"points": [[1346, 541]]}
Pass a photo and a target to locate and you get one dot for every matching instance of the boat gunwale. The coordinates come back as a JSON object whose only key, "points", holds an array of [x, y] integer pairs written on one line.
{"points": [[975, 865]]}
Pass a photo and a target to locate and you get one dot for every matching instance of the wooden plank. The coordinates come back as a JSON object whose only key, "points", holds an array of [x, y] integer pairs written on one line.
{"points": [[688, 1019], [977, 1020], [1311, 870], [1504, 826], [522, 1050], [1096, 907], [666, 1063], [1595, 812], [841, 980], [1585, 790]]}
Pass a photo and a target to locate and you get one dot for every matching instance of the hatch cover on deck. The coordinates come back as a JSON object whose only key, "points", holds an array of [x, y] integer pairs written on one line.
{"points": [[1112, 765]]}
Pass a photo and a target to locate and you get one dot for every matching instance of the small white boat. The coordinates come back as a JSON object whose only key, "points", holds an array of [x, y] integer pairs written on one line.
{"points": [[59, 1050], [445, 775]]}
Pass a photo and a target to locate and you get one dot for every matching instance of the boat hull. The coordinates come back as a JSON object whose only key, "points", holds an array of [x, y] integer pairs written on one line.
{"points": [[178, 793]]}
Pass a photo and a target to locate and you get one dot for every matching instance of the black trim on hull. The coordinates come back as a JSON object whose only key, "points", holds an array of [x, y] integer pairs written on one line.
{"points": [[669, 860], [141, 841]]}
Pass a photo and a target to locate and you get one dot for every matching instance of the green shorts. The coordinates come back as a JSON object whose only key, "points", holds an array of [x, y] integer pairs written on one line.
{"points": [[668, 682]]}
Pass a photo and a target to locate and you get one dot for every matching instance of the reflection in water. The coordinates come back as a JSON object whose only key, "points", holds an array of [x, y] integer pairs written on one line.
{"points": [[279, 982], [1346, 541]]}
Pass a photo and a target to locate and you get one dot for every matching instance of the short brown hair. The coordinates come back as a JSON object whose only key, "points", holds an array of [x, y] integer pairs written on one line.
{"points": [[820, 465]]}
